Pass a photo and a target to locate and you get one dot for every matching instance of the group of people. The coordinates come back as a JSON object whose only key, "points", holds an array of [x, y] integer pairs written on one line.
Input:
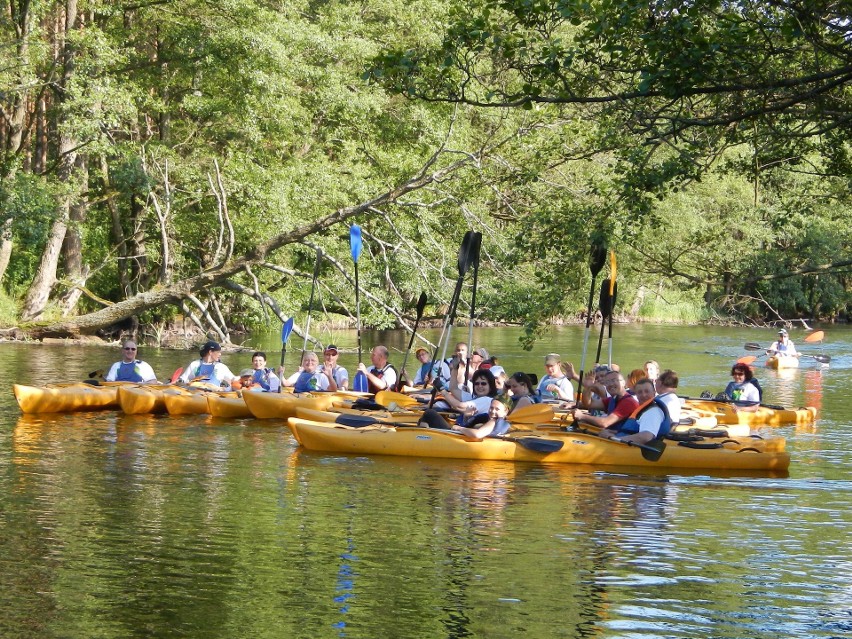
{"points": [[638, 409]]}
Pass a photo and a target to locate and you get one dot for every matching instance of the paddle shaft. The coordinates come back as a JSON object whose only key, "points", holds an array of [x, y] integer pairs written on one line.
{"points": [[311, 302], [421, 305]]}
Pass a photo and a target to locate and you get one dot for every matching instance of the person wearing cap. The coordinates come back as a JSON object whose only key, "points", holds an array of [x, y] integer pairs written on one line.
{"points": [[423, 377], [130, 369], [307, 379], [555, 384], [783, 347], [480, 359], [208, 367], [338, 377], [262, 377]]}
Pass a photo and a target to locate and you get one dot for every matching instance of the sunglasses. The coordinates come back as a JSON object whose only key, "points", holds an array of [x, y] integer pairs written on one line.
{"points": [[129, 349]]}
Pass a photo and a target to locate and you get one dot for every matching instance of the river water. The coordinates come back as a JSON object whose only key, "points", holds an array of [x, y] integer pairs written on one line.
{"points": [[115, 526]]}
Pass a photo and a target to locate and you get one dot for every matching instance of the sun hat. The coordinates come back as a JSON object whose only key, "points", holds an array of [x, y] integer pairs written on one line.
{"points": [[497, 371], [552, 358], [482, 353]]}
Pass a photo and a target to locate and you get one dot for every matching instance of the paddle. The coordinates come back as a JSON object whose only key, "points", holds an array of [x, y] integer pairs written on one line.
{"points": [[474, 250], [815, 337], [286, 329], [464, 262], [97, 373], [537, 444], [310, 305], [360, 382], [730, 401], [176, 375], [421, 305], [605, 306], [597, 257], [748, 359], [823, 359]]}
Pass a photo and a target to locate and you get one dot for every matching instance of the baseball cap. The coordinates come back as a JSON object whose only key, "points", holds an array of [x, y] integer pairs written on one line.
{"points": [[497, 371], [482, 353], [247, 372], [552, 358], [210, 346], [330, 348], [783, 331], [420, 350], [603, 368]]}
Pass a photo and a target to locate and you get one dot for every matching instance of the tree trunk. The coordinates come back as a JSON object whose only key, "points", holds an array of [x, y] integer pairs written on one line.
{"points": [[72, 247], [45, 277]]}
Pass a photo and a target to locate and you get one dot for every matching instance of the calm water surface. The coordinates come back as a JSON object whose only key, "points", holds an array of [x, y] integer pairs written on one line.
{"points": [[115, 526]]}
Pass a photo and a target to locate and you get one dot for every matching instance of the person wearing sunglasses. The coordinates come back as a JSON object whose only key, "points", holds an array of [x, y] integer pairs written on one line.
{"points": [[742, 390], [468, 405], [130, 369]]}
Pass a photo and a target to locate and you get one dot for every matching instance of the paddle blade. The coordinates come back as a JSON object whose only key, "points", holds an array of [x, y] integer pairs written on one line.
{"points": [[286, 329], [356, 421], [822, 359], [613, 269], [386, 398], [605, 300], [652, 451], [355, 243], [538, 444], [748, 359], [360, 383], [751, 346], [532, 414], [816, 336], [465, 252], [597, 257], [421, 305], [176, 375]]}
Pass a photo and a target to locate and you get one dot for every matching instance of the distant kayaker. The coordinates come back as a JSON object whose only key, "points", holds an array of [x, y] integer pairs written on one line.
{"points": [[338, 377], [307, 378], [648, 422], [741, 390], [783, 347], [381, 375], [130, 369], [617, 407], [555, 384], [424, 373], [208, 368]]}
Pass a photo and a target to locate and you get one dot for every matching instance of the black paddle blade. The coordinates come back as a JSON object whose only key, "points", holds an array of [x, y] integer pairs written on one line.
{"points": [[822, 359], [356, 421], [538, 444], [464, 253], [605, 301], [751, 346], [421, 305], [652, 451], [597, 257]]}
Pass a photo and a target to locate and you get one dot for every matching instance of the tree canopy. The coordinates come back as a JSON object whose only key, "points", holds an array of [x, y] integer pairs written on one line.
{"points": [[173, 156]]}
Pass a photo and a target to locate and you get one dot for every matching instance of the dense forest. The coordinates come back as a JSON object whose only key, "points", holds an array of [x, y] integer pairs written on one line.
{"points": [[165, 158]]}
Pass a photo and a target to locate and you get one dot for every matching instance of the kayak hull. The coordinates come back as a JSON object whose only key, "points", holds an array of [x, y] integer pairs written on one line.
{"points": [[65, 398], [782, 362], [577, 448], [283, 405], [230, 407], [764, 416], [141, 400]]}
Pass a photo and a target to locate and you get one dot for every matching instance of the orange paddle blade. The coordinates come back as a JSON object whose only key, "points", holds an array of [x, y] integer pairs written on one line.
{"points": [[748, 359], [612, 272], [816, 336]]}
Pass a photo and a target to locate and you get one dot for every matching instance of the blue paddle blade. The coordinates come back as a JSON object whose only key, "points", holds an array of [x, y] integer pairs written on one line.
{"points": [[360, 384], [355, 242], [286, 329]]}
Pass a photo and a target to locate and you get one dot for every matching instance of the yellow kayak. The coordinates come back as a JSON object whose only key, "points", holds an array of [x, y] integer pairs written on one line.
{"points": [[227, 406], [283, 405], [570, 448], [764, 416], [65, 398], [140, 400], [782, 362]]}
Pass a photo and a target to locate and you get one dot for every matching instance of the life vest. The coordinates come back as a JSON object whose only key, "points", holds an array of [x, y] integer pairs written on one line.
{"points": [[380, 374], [630, 426], [305, 383], [611, 404], [127, 372], [208, 373], [261, 376]]}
